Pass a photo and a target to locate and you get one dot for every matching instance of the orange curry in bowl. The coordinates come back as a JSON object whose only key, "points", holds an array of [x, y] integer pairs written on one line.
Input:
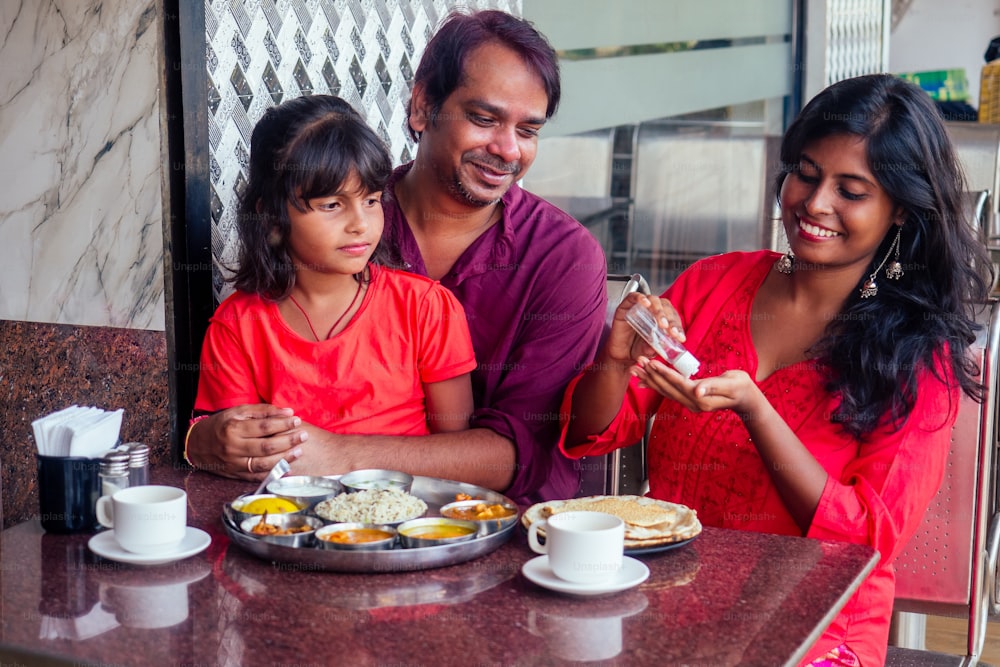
{"points": [[479, 512], [356, 536]]}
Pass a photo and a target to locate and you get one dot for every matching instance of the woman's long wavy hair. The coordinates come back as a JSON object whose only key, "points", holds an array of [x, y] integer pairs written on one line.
{"points": [[304, 148], [876, 344]]}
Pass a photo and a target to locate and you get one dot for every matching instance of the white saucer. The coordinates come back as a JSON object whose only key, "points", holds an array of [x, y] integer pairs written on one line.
{"points": [[633, 573], [105, 545]]}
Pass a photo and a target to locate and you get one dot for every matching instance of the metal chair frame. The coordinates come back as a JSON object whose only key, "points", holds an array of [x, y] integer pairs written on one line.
{"points": [[949, 567], [621, 471]]}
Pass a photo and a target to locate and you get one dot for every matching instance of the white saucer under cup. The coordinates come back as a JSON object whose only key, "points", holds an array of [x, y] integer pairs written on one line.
{"points": [[146, 519], [105, 545], [583, 547], [633, 573]]}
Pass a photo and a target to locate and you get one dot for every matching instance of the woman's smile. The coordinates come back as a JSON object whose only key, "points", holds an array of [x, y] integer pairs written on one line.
{"points": [[816, 230]]}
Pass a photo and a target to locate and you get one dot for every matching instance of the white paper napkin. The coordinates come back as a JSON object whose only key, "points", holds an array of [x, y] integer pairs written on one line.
{"points": [[77, 431]]}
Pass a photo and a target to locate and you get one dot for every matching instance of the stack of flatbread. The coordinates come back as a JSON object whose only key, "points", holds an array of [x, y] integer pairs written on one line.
{"points": [[648, 522]]}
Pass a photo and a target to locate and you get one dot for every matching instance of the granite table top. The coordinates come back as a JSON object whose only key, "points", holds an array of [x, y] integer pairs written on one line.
{"points": [[726, 598]]}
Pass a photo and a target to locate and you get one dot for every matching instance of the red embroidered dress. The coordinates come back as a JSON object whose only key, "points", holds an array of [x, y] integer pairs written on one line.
{"points": [[877, 490]]}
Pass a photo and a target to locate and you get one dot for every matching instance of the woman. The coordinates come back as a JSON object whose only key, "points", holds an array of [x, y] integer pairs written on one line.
{"points": [[830, 376]]}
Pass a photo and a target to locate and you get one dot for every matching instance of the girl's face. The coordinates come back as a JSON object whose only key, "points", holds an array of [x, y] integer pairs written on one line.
{"points": [[834, 212], [337, 233]]}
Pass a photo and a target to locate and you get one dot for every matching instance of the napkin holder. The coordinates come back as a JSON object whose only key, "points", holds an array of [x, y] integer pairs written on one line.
{"points": [[68, 489]]}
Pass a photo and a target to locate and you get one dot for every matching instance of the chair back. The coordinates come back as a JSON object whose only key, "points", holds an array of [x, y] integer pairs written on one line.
{"points": [[945, 567], [622, 470], [977, 146]]}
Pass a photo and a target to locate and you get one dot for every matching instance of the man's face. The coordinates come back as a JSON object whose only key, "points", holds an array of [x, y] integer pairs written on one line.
{"points": [[485, 136]]}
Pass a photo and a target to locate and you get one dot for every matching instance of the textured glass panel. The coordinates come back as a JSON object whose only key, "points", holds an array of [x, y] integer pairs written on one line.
{"points": [[260, 52]]}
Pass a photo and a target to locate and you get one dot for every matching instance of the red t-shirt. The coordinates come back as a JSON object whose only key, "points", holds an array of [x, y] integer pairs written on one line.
{"points": [[368, 379], [877, 491]]}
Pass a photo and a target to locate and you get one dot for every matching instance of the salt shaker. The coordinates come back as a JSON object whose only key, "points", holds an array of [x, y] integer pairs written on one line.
{"points": [[138, 464], [114, 472]]}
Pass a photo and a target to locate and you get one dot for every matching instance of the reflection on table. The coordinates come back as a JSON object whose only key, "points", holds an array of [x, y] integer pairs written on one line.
{"points": [[727, 598]]}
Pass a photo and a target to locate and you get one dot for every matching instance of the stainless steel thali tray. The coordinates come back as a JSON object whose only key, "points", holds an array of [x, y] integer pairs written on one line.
{"points": [[433, 491]]}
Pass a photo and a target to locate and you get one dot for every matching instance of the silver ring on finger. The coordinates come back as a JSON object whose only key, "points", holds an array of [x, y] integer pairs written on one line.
{"points": [[250, 464]]}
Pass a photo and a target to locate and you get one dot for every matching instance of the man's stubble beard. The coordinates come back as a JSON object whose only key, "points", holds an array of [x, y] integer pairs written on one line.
{"points": [[459, 192]]}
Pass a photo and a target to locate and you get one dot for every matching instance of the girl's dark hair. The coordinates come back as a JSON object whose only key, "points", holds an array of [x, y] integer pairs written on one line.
{"points": [[874, 346], [442, 65], [304, 148]]}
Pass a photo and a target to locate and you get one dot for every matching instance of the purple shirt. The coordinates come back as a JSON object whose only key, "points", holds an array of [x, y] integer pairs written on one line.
{"points": [[533, 289]]}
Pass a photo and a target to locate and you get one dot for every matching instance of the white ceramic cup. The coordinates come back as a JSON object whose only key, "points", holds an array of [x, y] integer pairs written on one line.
{"points": [[583, 547], [146, 519]]}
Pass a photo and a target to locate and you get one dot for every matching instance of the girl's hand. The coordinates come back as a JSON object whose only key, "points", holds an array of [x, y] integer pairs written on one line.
{"points": [[733, 390], [246, 441], [624, 345]]}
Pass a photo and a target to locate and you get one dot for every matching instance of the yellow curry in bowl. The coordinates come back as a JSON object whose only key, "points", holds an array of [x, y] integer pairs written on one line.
{"points": [[435, 531]]}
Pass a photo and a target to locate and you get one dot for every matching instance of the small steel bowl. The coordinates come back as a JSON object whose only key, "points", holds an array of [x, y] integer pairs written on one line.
{"points": [[435, 531], [239, 516], [463, 510], [359, 480], [387, 541], [299, 539], [305, 490]]}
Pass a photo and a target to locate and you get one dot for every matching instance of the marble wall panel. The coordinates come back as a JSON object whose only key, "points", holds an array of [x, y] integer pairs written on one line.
{"points": [[80, 189]]}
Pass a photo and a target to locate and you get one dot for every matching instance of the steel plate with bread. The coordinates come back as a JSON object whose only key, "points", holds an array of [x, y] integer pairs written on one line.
{"points": [[648, 522]]}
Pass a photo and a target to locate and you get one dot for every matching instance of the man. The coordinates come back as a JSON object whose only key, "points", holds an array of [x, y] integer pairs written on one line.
{"points": [[531, 279]]}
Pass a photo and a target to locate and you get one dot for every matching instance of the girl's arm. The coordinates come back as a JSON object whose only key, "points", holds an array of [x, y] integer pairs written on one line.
{"points": [[449, 404]]}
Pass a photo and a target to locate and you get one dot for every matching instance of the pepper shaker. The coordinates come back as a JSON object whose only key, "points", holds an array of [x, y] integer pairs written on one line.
{"points": [[138, 464]]}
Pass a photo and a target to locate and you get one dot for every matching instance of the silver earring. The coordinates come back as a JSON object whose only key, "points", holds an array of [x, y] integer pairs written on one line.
{"points": [[894, 272], [786, 264]]}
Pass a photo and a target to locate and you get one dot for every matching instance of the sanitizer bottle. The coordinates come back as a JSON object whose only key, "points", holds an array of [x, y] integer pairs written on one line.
{"points": [[672, 352]]}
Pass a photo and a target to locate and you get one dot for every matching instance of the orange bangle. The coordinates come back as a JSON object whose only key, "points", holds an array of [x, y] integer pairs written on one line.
{"points": [[187, 437]]}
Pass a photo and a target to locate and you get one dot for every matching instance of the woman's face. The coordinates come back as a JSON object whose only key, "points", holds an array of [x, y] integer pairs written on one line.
{"points": [[337, 233], [834, 211]]}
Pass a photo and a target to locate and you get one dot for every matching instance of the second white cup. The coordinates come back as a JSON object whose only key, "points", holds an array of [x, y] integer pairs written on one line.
{"points": [[146, 519], [583, 547]]}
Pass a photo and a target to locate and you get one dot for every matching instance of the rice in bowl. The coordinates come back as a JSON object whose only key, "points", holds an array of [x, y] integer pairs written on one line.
{"points": [[384, 506]]}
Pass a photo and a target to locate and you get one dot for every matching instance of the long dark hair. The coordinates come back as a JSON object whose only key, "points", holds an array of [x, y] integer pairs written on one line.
{"points": [[301, 149], [442, 65], [875, 345]]}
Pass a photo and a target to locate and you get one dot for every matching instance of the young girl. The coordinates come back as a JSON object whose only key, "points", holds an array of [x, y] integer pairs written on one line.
{"points": [[830, 376], [315, 325]]}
